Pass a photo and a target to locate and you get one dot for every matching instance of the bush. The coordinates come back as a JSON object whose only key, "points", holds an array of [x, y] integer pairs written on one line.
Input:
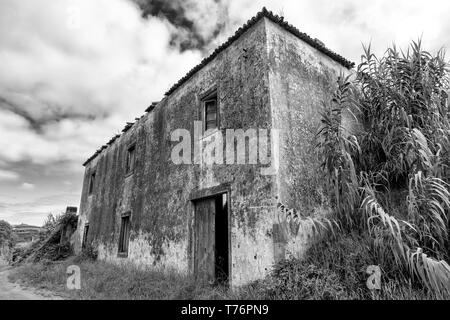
{"points": [[7, 240], [49, 246], [333, 270], [395, 146], [20, 254], [55, 252], [293, 279], [89, 253], [348, 256], [330, 270]]}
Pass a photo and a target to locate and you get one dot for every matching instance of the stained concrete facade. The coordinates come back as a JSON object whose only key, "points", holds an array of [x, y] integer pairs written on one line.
{"points": [[268, 76]]}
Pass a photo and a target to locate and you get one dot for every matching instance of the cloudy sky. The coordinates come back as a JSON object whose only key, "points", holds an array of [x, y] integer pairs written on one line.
{"points": [[72, 72]]}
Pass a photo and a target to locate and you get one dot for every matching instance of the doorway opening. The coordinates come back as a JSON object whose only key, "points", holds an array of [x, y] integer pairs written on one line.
{"points": [[211, 239]]}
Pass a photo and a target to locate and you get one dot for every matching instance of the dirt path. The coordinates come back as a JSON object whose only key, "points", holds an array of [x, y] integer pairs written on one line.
{"points": [[12, 291]]}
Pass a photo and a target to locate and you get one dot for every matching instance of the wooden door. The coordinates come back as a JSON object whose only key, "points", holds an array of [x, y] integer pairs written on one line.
{"points": [[204, 249]]}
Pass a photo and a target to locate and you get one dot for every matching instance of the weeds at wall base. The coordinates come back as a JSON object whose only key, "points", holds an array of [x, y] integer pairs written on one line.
{"points": [[330, 271]]}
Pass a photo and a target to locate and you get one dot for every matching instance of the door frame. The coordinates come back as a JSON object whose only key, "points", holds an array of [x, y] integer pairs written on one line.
{"points": [[199, 195]]}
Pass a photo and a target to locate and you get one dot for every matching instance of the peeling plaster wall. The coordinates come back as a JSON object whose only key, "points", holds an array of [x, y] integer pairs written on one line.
{"points": [[300, 78]]}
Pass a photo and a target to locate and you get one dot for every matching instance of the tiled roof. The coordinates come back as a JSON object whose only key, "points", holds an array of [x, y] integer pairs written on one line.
{"points": [[276, 19], [263, 13]]}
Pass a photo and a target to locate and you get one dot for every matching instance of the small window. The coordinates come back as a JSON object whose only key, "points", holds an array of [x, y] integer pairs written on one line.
{"points": [[124, 234], [130, 159], [211, 112], [92, 183], [85, 234]]}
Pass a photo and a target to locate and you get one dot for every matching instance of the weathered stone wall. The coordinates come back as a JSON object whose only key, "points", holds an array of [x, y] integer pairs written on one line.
{"points": [[300, 78], [266, 79], [158, 193]]}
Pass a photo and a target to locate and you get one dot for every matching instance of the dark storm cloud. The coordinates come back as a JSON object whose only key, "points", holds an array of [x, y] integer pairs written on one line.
{"points": [[53, 114], [179, 14], [8, 105]]}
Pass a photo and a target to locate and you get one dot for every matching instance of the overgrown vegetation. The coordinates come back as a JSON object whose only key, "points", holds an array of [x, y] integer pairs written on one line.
{"points": [[103, 280], [330, 271], [6, 234], [385, 146], [49, 246], [88, 253], [7, 240]]}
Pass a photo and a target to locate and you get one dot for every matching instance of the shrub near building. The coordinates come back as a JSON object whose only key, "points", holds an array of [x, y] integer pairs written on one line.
{"points": [[7, 240]]}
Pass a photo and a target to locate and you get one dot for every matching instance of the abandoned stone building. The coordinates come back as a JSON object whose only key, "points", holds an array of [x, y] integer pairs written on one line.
{"points": [[218, 221]]}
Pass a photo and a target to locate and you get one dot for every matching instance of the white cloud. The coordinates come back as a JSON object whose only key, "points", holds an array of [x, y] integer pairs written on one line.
{"points": [[344, 25], [8, 175], [110, 69], [27, 186]]}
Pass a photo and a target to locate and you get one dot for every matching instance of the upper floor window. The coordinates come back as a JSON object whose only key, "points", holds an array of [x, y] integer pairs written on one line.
{"points": [[130, 159], [92, 183], [210, 112]]}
